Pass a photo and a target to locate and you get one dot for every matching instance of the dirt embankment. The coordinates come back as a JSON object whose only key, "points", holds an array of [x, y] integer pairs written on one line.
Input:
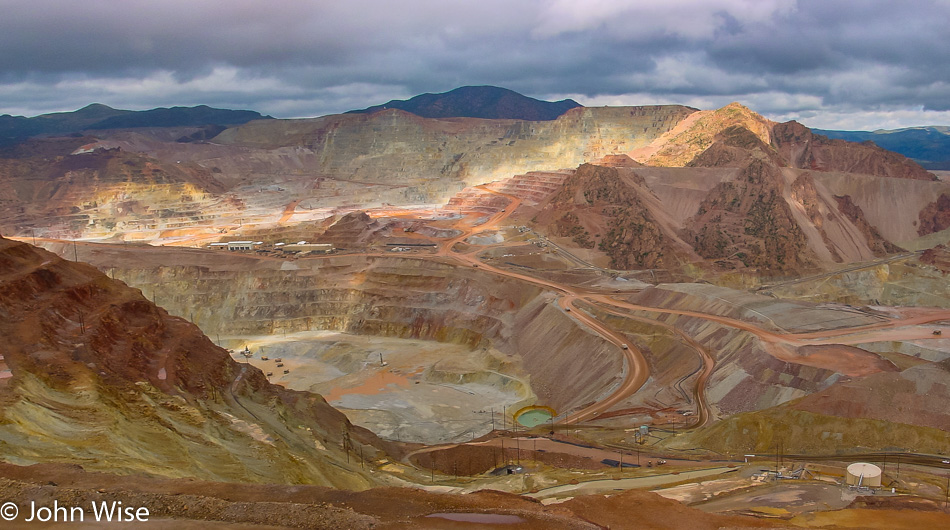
{"points": [[198, 504], [465, 460]]}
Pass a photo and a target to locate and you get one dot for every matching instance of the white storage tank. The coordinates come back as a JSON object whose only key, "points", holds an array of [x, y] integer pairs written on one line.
{"points": [[864, 474]]}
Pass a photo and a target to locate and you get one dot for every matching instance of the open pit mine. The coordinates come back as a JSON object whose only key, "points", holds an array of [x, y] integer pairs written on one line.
{"points": [[380, 319]]}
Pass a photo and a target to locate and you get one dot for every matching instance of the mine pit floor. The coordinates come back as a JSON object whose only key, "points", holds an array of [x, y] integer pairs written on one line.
{"points": [[422, 391]]}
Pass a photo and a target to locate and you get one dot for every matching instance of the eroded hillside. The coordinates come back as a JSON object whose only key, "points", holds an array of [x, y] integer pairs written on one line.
{"points": [[96, 374]]}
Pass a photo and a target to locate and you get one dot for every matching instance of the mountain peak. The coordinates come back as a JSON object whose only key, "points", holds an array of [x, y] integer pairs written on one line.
{"points": [[488, 102], [95, 106], [703, 128]]}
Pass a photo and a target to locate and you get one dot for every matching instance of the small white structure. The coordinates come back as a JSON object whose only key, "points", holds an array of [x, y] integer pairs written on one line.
{"points": [[325, 248], [864, 475], [218, 246]]}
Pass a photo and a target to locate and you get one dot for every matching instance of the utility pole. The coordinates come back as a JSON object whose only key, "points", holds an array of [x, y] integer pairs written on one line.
{"points": [[493, 419], [946, 501], [345, 444], [776, 460]]}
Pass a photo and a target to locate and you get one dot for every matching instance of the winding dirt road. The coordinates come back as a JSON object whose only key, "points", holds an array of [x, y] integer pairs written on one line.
{"points": [[636, 371]]}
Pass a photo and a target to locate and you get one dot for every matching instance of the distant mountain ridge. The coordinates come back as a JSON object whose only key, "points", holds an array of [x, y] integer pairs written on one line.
{"points": [[486, 102], [929, 146], [98, 116]]}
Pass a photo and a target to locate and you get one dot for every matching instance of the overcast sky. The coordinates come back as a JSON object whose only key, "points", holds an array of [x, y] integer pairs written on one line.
{"points": [[859, 64]]}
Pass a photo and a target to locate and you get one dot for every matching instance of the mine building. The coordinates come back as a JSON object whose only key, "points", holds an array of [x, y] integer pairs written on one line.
{"points": [[236, 245], [317, 248], [243, 245]]}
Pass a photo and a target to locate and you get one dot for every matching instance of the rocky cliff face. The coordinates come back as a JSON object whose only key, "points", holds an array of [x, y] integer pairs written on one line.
{"points": [[98, 375], [806, 150], [600, 199], [748, 221], [935, 216]]}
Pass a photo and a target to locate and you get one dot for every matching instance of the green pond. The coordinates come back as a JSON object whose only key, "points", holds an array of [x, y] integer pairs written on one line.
{"points": [[533, 418]]}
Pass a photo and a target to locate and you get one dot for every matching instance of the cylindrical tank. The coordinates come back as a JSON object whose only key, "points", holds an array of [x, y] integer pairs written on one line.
{"points": [[864, 474]]}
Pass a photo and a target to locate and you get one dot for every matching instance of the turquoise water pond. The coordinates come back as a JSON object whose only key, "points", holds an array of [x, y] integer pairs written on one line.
{"points": [[533, 418]]}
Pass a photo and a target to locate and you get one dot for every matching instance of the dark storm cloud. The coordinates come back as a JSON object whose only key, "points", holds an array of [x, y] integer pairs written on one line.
{"points": [[807, 58]]}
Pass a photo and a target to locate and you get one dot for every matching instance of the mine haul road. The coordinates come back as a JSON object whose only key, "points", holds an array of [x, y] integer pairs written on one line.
{"points": [[637, 370]]}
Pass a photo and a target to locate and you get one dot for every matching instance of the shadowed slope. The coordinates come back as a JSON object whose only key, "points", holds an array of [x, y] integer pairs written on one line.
{"points": [[98, 375]]}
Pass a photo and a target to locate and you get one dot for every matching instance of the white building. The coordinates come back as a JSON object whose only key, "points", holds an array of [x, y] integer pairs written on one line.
{"points": [[325, 248], [242, 245]]}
